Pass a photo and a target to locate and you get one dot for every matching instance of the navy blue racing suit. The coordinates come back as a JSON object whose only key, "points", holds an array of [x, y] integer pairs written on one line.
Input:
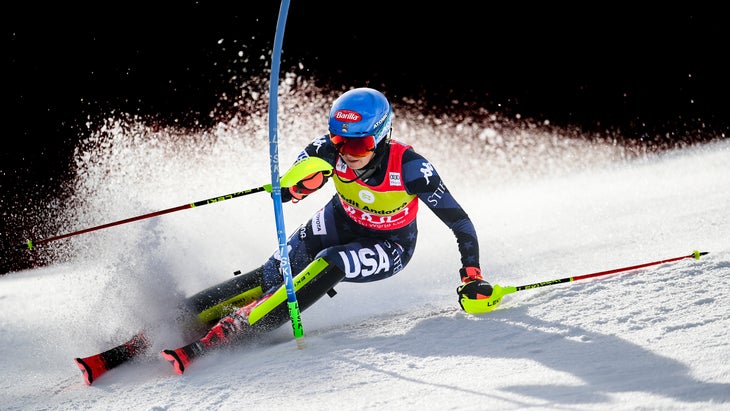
{"points": [[365, 254]]}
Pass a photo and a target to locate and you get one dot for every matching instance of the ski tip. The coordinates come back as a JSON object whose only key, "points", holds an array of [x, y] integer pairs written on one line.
{"points": [[85, 370], [177, 358]]}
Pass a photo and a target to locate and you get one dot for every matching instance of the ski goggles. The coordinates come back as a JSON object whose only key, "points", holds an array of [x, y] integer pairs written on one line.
{"points": [[354, 146]]}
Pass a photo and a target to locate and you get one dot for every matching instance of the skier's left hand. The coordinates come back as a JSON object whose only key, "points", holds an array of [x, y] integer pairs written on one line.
{"points": [[470, 274], [472, 289]]}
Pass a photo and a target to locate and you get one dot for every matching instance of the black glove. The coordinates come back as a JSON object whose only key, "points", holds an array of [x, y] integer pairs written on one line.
{"points": [[285, 195], [472, 289]]}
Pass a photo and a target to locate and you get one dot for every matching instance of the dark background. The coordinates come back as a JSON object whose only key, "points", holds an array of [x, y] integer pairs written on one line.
{"points": [[650, 74]]}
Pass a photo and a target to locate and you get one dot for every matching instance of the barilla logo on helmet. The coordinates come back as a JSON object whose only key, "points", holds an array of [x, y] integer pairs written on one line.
{"points": [[348, 116]]}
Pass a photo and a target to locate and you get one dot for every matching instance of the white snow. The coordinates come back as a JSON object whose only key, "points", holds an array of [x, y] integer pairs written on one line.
{"points": [[654, 338]]}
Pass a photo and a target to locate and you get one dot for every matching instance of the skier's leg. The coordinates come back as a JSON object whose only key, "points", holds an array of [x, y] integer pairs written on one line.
{"points": [[368, 259], [270, 311], [312, 283], [211, 304]]}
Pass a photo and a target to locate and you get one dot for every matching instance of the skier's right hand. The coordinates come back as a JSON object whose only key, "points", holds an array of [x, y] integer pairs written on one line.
{"points": [[308, 185]]}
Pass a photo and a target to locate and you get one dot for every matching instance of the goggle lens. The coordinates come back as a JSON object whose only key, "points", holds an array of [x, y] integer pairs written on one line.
{"points": [[354, 146]]}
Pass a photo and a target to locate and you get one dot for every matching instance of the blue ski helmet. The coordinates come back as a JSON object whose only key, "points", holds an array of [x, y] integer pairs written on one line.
{"points": [[361, 112]]}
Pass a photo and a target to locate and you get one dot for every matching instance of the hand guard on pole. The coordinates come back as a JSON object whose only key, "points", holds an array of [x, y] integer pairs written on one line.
{"points": [[474, 292], [308, 185]]}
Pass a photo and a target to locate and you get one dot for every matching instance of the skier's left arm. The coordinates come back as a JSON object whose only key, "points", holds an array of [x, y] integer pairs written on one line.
{"points": [[422, 179]]}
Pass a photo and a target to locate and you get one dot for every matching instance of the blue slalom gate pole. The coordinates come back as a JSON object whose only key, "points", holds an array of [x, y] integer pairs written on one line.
{"points": [[294, 312]]}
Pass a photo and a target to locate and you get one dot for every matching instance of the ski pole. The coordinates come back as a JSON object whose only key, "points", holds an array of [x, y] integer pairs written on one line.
{"points": [[498, 291], [32, 243], [299, 171]]}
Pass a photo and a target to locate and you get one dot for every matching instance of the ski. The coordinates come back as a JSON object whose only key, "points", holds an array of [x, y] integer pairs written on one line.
{"points": [[196, 313], [267, 312], [240, 313], [179, 358], [94, 366]]}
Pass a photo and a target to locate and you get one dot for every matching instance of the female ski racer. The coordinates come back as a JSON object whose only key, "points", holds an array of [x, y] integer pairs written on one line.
{"points": [[366, 232]]}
